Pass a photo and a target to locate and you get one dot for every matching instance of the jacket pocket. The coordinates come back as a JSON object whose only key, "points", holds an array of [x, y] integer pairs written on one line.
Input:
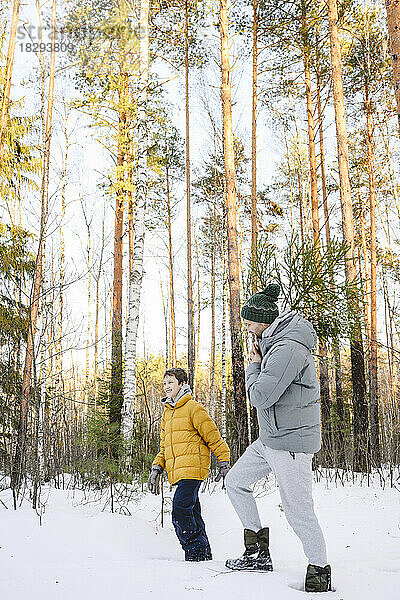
{"points": [[270, 420]]}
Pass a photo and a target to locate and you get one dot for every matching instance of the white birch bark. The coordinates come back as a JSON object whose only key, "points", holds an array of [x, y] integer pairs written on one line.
{"points": [[136, 276]]}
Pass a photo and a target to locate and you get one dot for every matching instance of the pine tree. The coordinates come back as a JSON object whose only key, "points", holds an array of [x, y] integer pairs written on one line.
{"points": [[360, 408], [232, 233]]}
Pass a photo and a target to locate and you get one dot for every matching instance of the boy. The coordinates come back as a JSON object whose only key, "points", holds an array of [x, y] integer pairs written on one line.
{"points": [[187, 435]]}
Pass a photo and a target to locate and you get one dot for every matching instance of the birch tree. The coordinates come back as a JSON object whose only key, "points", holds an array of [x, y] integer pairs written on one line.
{"points": [[135, 279]]}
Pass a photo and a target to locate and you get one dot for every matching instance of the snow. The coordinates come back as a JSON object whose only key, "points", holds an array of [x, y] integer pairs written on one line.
{"points": [[81, 551]]}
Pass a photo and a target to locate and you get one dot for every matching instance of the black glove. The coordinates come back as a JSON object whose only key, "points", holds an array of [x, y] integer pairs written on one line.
{"points": [[153, 482], [223, 467]]}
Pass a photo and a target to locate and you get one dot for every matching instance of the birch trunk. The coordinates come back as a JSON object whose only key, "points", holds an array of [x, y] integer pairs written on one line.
{"points": [[130, 208], [135, 280]]}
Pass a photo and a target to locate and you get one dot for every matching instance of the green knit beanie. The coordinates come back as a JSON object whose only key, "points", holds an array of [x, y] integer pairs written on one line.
{"points": [[261, 307]]}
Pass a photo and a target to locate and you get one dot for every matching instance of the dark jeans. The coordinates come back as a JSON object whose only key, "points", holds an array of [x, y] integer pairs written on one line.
{"points": [[186, 518]]}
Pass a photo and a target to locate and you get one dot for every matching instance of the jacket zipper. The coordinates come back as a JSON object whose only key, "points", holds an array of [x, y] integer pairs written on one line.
{"points": [[172, 422]]}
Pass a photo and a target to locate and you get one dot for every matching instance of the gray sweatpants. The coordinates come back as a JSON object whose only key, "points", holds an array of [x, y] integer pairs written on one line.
{"points": [[294, 478]]}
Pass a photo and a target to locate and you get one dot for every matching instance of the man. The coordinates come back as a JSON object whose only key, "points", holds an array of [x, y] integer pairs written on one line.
{"points": [[282, 384]]}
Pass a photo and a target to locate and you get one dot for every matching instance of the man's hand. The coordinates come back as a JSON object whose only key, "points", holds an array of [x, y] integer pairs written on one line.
{"points": [[255, 356], [153, 483], [223, 467]]}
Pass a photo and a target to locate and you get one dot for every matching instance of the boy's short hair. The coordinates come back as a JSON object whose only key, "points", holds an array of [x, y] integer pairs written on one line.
{"points": [[178, 373]]}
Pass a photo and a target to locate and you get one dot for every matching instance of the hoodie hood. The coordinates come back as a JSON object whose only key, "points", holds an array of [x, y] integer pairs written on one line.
{"points": [[290, 326], [185, 389]]}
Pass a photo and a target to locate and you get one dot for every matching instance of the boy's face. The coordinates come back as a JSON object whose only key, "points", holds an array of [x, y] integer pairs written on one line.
{"points": [[256, 328], [172, 386]]}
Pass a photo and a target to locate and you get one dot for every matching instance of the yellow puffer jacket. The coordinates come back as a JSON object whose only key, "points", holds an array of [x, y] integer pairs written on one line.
{"points": [[187, 435]]}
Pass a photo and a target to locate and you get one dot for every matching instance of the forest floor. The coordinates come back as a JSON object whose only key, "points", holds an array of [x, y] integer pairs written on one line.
{"points": [[82, 552]]}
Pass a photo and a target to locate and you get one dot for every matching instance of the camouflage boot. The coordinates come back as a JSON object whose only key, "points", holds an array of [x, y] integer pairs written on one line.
{"points": [[318, 579], [264, 562], [256, 556]]}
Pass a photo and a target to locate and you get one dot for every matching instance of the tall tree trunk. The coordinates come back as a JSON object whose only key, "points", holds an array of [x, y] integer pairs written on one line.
{"points": [[311, 128], [8, 75], [374, 408], [254, 225], [393, 22], [116, 402], [360, 407], [96, 325], [341, 426], [190, 311], [116, 391], [301, 215], [130, 206], [322, 152], [171, 272], [389, 338], [59, 366], [323, 353], [212, 286], [233, 252], [166, 315], [254, 150], [197, 332], [367, 278], [223, 351], [19, 458], [135, 280], [89, 301]]}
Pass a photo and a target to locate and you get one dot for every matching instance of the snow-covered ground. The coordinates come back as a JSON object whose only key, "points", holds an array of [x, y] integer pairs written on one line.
{"points": [[81, 552]]}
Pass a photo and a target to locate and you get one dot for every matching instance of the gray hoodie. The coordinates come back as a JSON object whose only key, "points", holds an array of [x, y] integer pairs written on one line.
{"points": [[185, 389], [284, 387]]}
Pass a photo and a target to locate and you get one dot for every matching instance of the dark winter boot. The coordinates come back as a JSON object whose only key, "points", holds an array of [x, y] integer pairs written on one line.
{"points": [[256, 556], [318, 579], [199, 557]]}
